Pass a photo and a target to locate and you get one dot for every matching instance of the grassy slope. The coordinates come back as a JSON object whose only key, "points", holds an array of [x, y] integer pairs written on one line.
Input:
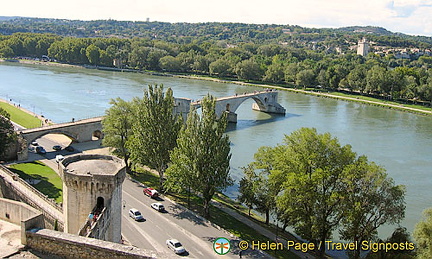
{"points": [[50, 183], [21, 117]]}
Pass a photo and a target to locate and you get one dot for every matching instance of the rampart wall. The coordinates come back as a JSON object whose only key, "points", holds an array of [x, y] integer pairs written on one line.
{"points": [[74, 246], [14, 188]]}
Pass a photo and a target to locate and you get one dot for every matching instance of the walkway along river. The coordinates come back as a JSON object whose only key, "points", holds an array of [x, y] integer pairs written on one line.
{"points": [[399, 141]]}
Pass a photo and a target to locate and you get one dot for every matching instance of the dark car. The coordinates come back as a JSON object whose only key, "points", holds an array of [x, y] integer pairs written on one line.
{"points": [[70, 148], [40, 150], [57, 147]]}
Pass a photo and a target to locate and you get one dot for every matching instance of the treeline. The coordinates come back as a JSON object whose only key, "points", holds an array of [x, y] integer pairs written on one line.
{"points": [[290, 64]]}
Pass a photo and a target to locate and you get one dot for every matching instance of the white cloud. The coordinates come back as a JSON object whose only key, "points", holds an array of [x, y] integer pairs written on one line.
{"points": [[408, 16]]}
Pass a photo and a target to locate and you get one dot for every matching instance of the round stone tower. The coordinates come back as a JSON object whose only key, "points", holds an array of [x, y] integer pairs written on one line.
{"points": [[92, 193]]}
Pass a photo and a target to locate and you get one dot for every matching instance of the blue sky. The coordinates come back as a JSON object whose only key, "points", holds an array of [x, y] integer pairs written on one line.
{"points": [[406, 16]]}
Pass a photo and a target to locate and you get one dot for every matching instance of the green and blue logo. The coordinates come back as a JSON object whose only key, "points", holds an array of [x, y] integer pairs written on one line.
{"points": [[221, 246]]}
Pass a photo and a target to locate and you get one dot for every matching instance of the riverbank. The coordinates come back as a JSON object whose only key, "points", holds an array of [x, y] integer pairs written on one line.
{"points": [[23, 117], [345, 97], [352, 98]]}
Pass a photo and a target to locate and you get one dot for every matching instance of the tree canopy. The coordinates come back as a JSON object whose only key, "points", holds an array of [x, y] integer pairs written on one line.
{"points": [[315, 185], [201, 159]]}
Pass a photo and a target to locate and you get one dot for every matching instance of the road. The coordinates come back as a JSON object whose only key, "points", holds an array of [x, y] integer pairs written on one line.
{"points": [[196, 234]]}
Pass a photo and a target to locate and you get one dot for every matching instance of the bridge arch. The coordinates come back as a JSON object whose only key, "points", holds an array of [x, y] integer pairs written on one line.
{"points": [[32, 138]]}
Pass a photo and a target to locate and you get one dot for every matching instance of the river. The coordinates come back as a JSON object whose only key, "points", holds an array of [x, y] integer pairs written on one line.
{"points": [[399, 141]]}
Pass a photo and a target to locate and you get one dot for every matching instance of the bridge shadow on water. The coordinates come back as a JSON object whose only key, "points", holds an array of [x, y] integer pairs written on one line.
{"points": [[244, 124]]}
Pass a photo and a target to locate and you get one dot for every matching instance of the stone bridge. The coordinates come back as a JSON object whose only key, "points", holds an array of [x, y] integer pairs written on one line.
{"points": [[85, 130], [265, 101], [78, 131]]}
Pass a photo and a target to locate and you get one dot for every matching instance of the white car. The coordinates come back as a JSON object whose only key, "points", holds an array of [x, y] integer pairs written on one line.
{"points": [[176, 246], [59, 158], [136, 214], [158, 206]]}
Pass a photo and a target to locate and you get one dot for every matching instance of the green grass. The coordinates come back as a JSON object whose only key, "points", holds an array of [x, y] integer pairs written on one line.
{"points": [[218, 216], [50, 183], [21, 117]]}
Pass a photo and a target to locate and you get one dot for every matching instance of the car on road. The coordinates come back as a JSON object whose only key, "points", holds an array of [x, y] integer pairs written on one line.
{"points": [[152, 193], [59, 158], [135, 214], [40, 150], [57, 147], [176, 246], [70, 148], [158, 206]]}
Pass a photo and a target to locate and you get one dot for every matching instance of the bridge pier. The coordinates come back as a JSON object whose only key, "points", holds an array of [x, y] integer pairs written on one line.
{"points": [[270, 108], [231, 116]]}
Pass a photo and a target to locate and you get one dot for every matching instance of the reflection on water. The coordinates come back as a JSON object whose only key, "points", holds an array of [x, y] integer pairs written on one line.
{"points": [[399, 141]]}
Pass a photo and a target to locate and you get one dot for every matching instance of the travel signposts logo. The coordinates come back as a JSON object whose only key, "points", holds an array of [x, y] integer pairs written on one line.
{"points": [[221, 246]]}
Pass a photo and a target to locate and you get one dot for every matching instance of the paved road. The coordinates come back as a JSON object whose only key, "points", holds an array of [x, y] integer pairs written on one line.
{"points": [[196, 234]]}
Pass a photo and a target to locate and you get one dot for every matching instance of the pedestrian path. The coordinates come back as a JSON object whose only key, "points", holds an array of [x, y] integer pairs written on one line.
{"points": [[258, 228]]}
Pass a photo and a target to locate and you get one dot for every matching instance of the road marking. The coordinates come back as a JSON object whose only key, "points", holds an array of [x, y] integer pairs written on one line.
{"points": [[198, 241], [152, 242]]}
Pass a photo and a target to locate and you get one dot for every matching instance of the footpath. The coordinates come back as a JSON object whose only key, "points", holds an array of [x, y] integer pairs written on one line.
{"points": [[258, 228]]}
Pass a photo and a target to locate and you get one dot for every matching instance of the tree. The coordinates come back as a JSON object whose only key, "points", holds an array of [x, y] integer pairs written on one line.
{"points": [[246, 188], [155, 129], [372, 199], [201, 158], [7, 133], [423, 235], [249, 70], [117, 127], [310, 166]]}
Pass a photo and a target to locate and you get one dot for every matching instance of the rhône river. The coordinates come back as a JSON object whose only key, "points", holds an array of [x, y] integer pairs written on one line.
{"points": [[399, 141]]}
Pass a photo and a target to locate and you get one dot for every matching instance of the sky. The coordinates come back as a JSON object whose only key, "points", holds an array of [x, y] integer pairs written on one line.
{"points": [[407, 16]]}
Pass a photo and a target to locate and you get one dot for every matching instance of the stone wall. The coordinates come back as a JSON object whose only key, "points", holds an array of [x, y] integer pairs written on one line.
{"points": [[14, 188], [22, 214], [73, 246]]}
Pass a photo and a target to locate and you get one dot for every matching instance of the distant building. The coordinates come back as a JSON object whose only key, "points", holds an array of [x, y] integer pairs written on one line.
{"points": [[363, 47]]}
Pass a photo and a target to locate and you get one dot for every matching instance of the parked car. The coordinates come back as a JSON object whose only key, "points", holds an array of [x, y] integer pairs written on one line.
{"points": [[34, 143], [152, 193], [57, 147], [176, 246], [158, 206], [40, 150], [59, 158], [70, 148], [135, 214]]}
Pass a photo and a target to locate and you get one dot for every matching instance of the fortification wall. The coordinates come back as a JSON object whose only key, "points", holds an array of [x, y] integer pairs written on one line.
{"points": [[74, 246], [14, 188]]}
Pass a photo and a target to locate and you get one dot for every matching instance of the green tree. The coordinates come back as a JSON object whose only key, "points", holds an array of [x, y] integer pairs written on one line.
{"points": [[249, 70], [310, 166], [7, 133], [423, 235], [202, 154], [93, 54], [247, 194], [117, 127], [155, 129], [305, 78], [372, 200]]}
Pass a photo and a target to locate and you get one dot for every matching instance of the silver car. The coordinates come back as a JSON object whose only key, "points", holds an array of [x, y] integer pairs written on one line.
{"points": [[135, 214], [176, 246]]}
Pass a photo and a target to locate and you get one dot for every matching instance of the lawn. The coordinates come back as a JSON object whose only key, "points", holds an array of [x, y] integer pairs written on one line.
{"points": [[50, 183], [21, 117]]}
